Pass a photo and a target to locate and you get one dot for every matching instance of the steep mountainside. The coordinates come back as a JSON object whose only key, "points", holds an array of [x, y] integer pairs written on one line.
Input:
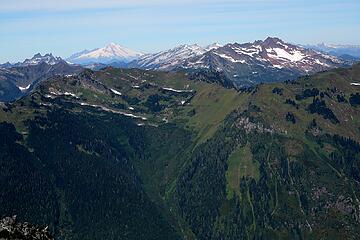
{"points": [[133, 154], [21, 79], [285, 168]]}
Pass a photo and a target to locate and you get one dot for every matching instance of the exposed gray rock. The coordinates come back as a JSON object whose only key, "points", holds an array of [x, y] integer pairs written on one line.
{"points": [[11, 229]]}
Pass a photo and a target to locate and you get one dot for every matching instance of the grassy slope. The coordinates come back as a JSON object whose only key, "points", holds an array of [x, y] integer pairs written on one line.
{"points": [[274, 109], [301, 177], [240, 164]]}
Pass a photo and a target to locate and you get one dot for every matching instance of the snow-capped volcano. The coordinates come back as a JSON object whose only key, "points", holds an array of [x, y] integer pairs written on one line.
{"points": [[110, 53]]}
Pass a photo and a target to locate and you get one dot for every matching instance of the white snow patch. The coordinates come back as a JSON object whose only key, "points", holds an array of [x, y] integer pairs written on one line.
{"points": [[23, 89], [46, 104], [253, 50], [64, 94], [70, 94], [278, 66], [230, 58], [176, 90], [114, 111], [355, 84], [321, 63], [280, 53], [49, 96], [116, 92]]}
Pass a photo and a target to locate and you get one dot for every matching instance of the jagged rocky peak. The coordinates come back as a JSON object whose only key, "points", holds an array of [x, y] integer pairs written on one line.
{"points": [[38, 55], [48, 58], [273, 40]]}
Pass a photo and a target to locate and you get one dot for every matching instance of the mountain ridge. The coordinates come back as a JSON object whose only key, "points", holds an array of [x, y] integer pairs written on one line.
{"points": [[245, 64], [237, 65], [20, 79], [38, 58]]}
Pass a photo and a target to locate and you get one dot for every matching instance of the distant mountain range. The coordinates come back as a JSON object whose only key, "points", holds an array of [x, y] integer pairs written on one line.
{"points": [[338, 50], [35, 60], [244, 64], [237, 65]]}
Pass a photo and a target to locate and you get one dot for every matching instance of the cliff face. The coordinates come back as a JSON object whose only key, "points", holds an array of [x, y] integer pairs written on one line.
{"points": [[11, 229]]}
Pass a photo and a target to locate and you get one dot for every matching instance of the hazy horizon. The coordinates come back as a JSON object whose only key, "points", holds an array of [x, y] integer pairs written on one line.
{"points": [[66, 27]]}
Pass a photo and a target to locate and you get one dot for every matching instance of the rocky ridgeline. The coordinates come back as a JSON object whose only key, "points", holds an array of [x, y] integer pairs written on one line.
{"points": [[11, 229]]}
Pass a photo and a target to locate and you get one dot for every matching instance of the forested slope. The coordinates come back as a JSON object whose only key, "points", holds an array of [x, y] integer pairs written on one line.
{"points": [[131, 154]]}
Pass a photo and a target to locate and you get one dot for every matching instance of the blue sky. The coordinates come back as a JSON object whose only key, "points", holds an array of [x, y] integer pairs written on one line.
{"points": [[67, 26]]}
